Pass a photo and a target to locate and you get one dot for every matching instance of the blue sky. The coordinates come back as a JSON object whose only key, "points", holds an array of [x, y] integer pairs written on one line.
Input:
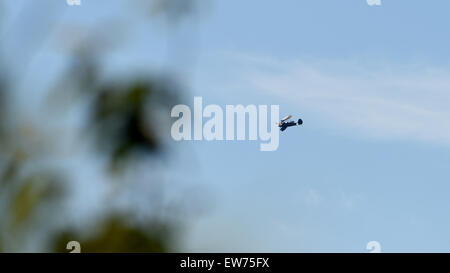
{"points": [[372, 85], [370, 163]]}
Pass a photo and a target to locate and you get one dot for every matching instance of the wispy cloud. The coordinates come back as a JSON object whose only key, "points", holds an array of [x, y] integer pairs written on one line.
{"points": [[312, 198], [387, 101]]}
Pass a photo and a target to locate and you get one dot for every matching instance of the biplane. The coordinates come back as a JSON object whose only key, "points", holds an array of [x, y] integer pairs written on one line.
{"points": [[285, 123]]}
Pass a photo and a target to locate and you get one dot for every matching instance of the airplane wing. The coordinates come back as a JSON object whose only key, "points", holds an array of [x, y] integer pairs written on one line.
{"points": [[286, 118]]}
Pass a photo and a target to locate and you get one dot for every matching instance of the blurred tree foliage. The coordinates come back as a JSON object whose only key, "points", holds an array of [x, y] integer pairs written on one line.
{"points": [[119, 114], [116, 235], [33, 190]]}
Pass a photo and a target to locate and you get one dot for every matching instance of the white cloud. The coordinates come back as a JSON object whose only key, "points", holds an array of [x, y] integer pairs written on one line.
{"points": [[312, 198], [390, 101]]}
